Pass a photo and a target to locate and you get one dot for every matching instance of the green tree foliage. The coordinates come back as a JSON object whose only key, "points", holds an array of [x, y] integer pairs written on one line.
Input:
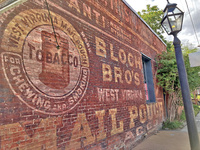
{"points": [[192, 72], [168, 79], [167, 73], [153, 16]]}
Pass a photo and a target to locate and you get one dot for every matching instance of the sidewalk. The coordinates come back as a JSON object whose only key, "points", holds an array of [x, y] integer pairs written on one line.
{"points": [[168, 139]]}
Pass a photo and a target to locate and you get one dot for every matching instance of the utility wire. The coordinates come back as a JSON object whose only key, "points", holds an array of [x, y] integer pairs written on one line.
{"points": [[192, 22], [52, 25]]}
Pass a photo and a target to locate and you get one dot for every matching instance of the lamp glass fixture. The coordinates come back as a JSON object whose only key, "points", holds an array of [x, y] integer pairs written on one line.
{"points": [[172, 19]]}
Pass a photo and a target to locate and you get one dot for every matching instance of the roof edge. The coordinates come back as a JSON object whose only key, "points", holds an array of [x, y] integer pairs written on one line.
{"points": [[124, 1], [11, 5]]}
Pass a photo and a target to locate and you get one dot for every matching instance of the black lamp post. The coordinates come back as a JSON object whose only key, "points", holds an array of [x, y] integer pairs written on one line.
{"points": [[172, 23]]}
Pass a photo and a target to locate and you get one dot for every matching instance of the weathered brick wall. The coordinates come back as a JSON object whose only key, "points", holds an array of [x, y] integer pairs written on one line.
{"points": [[87, 94]]}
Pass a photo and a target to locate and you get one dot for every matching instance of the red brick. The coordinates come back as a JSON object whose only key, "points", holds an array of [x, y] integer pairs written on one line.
{"points": [[44, 90]]}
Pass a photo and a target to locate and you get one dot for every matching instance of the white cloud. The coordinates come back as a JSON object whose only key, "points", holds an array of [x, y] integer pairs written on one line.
{"points": [[187, 34]]}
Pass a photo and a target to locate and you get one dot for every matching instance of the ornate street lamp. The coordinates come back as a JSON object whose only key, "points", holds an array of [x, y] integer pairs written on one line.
{"points": [[173, 19], [172, 23]]}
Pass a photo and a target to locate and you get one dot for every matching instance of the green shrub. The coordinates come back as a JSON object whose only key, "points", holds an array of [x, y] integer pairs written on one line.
{"points": [[196, 109], [183, 117], [172, 125], [176, 124]]}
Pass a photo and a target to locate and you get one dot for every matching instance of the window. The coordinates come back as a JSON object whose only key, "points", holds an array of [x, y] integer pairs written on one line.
{"points": [[148, 79]]}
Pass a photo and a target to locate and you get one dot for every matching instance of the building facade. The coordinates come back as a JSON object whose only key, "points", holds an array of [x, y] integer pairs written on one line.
{"points": [[77, 74]]}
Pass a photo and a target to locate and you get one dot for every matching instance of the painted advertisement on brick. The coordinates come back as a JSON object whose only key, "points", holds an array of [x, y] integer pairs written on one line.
{"points": [[43, 77], [81, 61]]}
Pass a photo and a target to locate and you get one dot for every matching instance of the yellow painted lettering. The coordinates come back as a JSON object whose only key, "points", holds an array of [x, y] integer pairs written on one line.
{"points": [[137, 79], [74, 4], [132, 115], [100, 47], [149, 111], [130, 59], [128, 77], [97, 14], [107, 72], [118, 74], [112, 53], [87, 11], [161, 109], [115, 130], [143, 113], [138, 63], [122, 56]]}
